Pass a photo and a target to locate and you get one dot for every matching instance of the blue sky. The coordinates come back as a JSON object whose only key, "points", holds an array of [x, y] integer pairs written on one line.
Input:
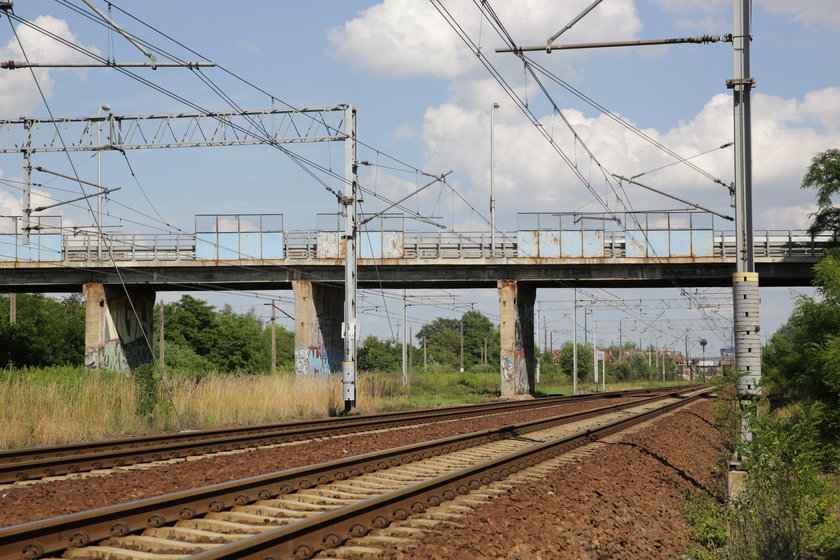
{"points": [[424, 99]]}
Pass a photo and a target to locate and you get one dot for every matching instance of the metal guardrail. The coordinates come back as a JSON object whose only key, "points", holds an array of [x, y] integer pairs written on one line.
{"points": [[84, 247]]}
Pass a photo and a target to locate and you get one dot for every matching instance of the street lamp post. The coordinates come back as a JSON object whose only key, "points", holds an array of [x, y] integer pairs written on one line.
{"points": [[103, 107], [492, 186]]}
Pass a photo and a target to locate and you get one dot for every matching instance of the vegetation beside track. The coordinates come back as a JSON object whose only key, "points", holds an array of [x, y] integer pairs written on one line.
{"points": [[790, 506], [46, 406]]}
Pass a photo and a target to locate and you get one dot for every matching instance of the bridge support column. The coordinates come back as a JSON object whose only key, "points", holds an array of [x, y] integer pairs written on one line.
{"points": [[516, 329], [114, 335], [319, 311]]}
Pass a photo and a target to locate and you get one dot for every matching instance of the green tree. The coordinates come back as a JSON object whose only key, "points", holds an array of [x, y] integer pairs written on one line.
{"points": [[566, 359], [193, 323], [48, 331], [379, 355], [824, 175], [285, 340], [443, 341], [238, 347]]}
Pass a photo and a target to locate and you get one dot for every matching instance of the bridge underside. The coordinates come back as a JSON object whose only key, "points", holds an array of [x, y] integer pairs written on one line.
{"points": [[112, 338], [274, 275]]}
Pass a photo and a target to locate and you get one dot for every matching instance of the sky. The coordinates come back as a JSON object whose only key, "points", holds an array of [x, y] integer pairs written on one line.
{"points": [[424, 104]]}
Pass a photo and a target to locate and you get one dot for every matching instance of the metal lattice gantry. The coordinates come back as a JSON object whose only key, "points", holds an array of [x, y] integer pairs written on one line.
{"points": [[204, 129], [174, 130]]}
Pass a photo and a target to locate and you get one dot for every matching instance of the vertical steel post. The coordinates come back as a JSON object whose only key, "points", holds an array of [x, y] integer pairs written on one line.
{"points": [[27, 179], [492, 185], [348, 365], [405, 341], [462, 344], [539, 354], [273, 338], [574, 348], [594, 353], [161, 346], [745, 289]]}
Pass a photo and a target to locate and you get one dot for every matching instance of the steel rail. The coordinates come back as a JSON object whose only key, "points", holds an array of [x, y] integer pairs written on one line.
{"points": [[31, 463], [35, 539], [303, 539]]}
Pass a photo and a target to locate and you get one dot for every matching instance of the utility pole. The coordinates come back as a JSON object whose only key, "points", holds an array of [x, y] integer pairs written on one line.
{"points": [[99, 183], [462, 344], [273, 339], [410, 349], [27, 180], [574, 348], [539, 354], [404, 341], [745, 290], [348, 365], [425, 364], [492, 185], [161, 352], [13, 308], [594, 352], [620, 338], [687, 361]]}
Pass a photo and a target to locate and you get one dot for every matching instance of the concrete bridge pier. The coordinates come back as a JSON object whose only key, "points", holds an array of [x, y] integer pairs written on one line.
{"points": [[116, 337], [319, 311], [516, 329]]}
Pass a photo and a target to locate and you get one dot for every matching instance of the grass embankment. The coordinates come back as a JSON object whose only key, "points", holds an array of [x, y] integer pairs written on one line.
{"points": [[61, 405]]}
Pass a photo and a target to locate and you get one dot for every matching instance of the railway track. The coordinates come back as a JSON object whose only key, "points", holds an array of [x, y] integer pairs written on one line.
{"points": [[299, 512], [34, 463]]}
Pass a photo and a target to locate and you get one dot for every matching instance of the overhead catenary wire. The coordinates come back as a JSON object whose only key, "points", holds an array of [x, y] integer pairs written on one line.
{"points": [[110, 254]]}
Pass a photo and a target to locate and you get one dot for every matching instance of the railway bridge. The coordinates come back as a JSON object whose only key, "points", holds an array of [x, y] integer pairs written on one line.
{"points": [[120, 274]]}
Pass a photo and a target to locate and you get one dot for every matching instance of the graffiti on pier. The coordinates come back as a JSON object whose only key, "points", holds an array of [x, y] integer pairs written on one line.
{"points": [[117, 327], [317, 360]]}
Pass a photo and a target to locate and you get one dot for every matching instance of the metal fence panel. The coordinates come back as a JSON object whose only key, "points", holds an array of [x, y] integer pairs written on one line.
{"points": [[250, 245], [272, 245], [593, 244], [635, 244], [392, 244], [571, 245], [549, 244], [205, 246], [370, 245], [680, 243], [228, 248], [327, 245], [702, 243], [658, 243], [528, 243]]}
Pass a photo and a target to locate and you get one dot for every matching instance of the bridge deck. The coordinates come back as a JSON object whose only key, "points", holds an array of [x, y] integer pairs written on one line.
{"points": [[403, 259]]}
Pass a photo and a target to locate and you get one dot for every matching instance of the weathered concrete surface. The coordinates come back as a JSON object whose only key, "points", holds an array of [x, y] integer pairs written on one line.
{"points": [[516, 329], [319, 310], [116, 331], [410, 273]]}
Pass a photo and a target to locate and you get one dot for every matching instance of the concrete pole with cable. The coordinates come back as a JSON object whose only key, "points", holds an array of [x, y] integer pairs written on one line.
{"points": [[745, 290], [103, 107], [405, 341], [348, 364], [574, 348], [492, 184]]}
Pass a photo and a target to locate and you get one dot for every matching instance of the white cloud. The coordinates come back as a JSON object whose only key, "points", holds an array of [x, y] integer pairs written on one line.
{"points": [[400, 38], [809, 13], [825, 13], [531, 177], [18, 92]]}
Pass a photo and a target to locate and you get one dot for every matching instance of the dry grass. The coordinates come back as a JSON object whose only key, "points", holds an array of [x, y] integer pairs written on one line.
{"points": [[61, 405]]}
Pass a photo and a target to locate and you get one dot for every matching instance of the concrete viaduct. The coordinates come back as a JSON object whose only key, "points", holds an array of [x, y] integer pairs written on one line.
{"points": [[119, 283]]}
